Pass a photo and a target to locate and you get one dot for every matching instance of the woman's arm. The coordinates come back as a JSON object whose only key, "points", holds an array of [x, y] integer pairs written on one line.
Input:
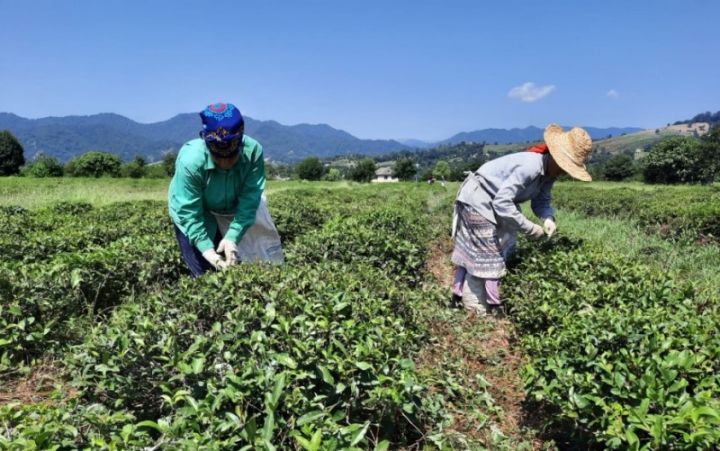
{"points": [[188, 200], [540, 204], [504, 202]]}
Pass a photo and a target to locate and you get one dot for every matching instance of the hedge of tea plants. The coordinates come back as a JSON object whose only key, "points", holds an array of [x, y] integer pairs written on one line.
{"points": [[37, 236], [622, 356], [317, 354], [691, 212], [69, 264], [263, 356]]}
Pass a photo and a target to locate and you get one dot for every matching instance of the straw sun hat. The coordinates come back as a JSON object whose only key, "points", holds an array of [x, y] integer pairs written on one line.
{"points": [[570, 150]]}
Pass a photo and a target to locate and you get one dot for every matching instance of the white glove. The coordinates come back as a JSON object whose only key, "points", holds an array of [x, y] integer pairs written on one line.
{"points": [[229, 248], [549, 226], [214, 259], [536, 231]]}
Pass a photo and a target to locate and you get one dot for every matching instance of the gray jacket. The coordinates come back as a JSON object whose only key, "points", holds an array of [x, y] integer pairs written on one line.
{"points": [[497, 188]]}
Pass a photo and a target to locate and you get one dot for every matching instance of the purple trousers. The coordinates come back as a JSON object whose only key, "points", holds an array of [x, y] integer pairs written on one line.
{"points": [[492, 286]]}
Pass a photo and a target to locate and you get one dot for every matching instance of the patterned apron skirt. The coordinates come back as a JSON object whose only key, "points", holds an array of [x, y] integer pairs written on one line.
{"points": [[477, 246]]}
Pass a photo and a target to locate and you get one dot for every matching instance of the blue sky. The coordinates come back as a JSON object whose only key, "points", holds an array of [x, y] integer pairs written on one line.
{"points": [[377, 69]]}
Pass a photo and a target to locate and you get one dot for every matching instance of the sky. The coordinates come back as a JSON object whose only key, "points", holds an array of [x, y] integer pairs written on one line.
{"points": [[376, 69]]}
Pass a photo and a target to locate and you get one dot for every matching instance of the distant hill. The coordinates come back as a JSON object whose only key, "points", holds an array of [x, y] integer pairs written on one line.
{"points": [[520, 135], [634, 144], [417, 143], [631, 144], [66, 137], [69, 136]]}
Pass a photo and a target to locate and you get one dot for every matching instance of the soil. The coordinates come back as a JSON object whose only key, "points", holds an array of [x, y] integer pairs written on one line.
{"points": [[36, 387], [490, 353]]}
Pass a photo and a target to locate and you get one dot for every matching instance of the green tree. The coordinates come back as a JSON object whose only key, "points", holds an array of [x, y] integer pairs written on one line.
{"points": [[619, 167], [310, 169], [169, 163], [364, 170], [333, 175], [43, 166], [710, 149], [426, 174], [94, 164], [678, 159], [275, 170], [155, 171], [405, 169], [459, 172], [473, 165], [135, 169], [11, 154], [442, 170]]}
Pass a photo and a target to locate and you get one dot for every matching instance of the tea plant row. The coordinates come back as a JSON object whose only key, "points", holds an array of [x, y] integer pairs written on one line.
{"points": [[621, 355], [317, 354], [67, 265], [674, 212]]}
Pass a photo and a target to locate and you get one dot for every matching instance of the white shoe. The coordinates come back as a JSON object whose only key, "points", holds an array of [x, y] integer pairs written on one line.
{"points": [[474, 296]]}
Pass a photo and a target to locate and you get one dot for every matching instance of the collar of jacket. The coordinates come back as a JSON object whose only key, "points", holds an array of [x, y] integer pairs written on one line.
{"points": [[209, 163]]}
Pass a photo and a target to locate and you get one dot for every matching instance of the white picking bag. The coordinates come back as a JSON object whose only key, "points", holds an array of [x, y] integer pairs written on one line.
{"points": [[261, 241]]}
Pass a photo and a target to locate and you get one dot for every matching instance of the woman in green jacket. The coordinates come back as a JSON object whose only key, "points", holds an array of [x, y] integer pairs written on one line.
{"points": [[215, 192]]}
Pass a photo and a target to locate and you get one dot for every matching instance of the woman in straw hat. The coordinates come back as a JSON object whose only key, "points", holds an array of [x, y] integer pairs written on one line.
{"points": [[487, 217]]}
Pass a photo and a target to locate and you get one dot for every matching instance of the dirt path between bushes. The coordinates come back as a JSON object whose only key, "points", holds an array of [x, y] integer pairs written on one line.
{"points": [[36, 387], [484, 346]]}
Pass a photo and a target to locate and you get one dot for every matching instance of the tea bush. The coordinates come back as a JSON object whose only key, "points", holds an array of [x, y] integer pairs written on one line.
{"points": [[625, 355], [264, 355], [295, 214], [33, 237], [50, 426], [392, 240], [40, 300], [70, 263], [315, 355], [674, 212]]}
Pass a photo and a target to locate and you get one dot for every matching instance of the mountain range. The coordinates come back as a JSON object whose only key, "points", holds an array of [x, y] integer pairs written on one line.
{"points": [[69, 136], [517, 135]]}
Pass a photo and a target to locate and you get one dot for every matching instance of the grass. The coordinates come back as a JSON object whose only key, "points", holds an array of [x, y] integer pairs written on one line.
{"points": [[33, 193], [638, 186], [632, 141], [684, 261], [639, 140]]}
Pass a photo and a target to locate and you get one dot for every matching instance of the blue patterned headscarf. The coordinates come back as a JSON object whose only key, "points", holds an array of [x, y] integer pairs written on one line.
{"points": [[221, 122], [222, 129]]}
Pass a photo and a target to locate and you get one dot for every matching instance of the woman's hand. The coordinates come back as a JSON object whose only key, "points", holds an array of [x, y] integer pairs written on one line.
{"points": [[549, 226], [229, 248], [536, 232], [214, 259]]}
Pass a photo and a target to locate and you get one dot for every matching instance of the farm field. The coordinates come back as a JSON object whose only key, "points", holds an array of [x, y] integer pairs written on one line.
{"points": [[610, 340], [35, 193], [680, 213]]}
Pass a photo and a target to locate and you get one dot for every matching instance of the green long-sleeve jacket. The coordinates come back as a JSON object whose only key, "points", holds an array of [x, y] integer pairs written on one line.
{"points": [[199, 188]]}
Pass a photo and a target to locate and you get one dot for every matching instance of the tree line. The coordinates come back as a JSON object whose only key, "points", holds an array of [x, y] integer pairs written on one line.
{"points": [[90, 164], [712, 118], [678, 159]]}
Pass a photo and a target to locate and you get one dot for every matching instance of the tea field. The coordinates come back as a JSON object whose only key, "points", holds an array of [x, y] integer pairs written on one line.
{"points": [[105, 342]]}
